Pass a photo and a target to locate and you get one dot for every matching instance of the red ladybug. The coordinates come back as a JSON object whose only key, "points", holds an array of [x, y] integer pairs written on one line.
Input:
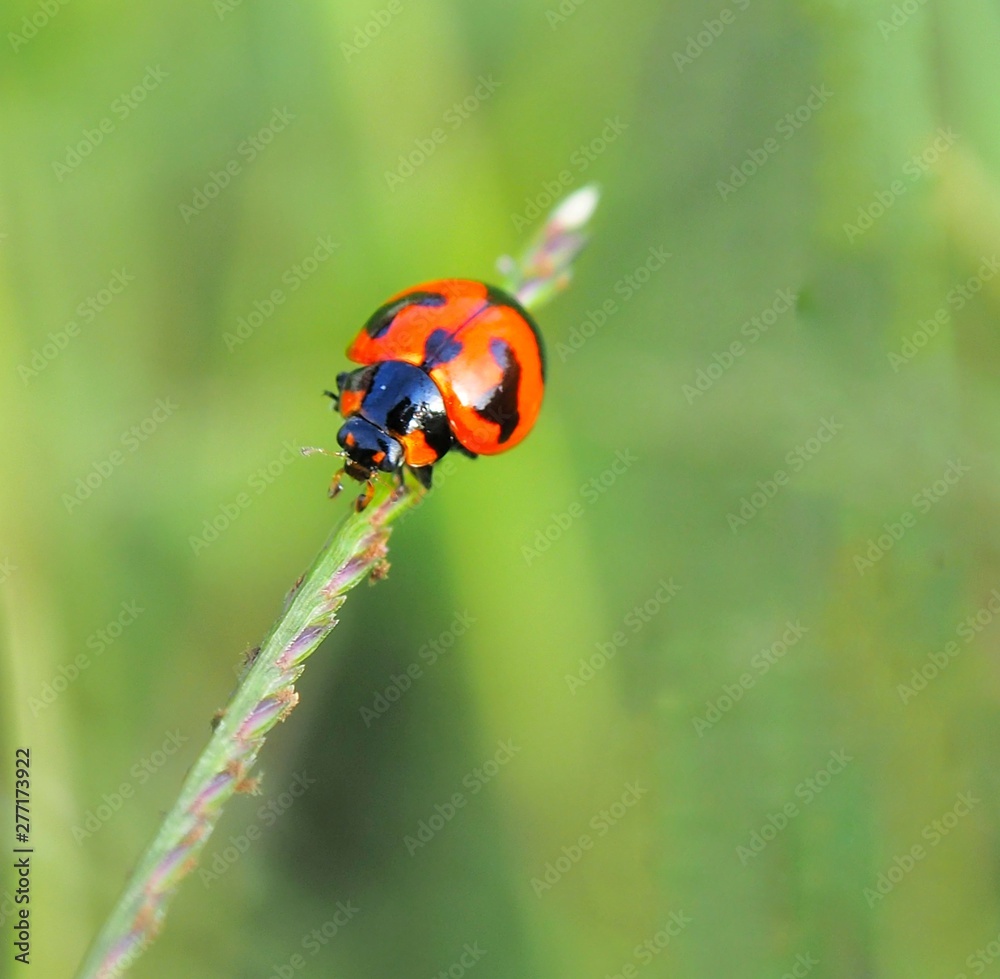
{"points": [[449, 364]]}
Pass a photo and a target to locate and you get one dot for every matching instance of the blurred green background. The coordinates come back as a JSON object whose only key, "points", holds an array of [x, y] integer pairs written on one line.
{"points": [[753, 762]]}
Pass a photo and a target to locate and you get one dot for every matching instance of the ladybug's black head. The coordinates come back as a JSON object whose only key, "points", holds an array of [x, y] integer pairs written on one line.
{"points": [[368, 449]]}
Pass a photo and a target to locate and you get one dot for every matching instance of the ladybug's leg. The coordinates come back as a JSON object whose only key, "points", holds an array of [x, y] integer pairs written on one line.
{"points": [[466, 452], [365, 498], [423, 474], [335, 484]]}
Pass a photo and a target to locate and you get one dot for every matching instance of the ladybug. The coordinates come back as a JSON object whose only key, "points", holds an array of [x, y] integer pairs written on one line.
{"points": [[449, 364]]}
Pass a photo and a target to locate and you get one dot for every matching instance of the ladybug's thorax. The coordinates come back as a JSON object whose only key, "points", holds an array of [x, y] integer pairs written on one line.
{"points": [[400, 396]]}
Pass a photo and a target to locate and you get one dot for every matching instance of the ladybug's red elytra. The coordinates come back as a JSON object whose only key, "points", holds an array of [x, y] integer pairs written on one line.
{"points": [[449, 364]]}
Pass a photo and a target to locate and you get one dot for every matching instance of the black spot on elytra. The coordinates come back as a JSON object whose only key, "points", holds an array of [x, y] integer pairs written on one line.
{"points": [[440, 348], [497, 297], [501, 405], [380, 321]]}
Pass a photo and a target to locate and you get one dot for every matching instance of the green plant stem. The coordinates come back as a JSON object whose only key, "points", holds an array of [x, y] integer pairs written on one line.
{"points": [[266, 692], [264, 696]]}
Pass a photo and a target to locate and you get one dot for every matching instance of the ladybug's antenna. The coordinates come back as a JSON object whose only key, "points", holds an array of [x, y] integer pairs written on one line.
{"points": [[313, 450], [335, 398]]}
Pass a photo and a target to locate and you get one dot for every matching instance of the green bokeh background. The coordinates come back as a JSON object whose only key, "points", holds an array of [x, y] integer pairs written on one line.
{"points": [[860, 295]]}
